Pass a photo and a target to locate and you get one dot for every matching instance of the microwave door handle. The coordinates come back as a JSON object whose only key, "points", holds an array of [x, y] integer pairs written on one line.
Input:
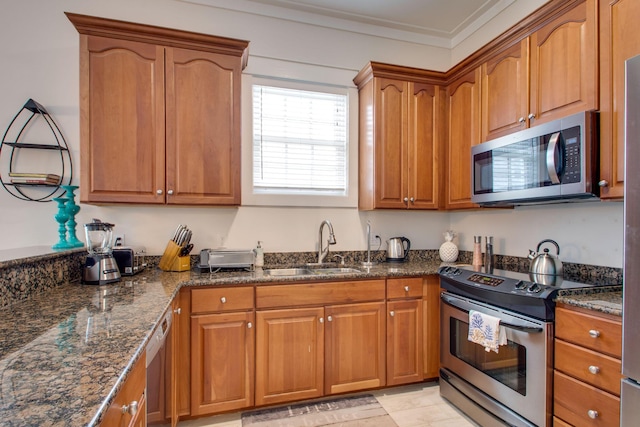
{"points": [[551, 158], [453, 303]]}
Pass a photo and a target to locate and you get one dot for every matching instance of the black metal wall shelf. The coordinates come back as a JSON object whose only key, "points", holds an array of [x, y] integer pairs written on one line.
{"points": [[33, 186]]}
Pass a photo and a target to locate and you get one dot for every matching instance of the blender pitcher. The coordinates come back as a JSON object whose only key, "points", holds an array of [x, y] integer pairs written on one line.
{"points": [[100, 267]]}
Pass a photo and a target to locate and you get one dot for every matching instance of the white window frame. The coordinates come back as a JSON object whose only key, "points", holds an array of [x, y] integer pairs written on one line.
{"points": [[251, 198]]}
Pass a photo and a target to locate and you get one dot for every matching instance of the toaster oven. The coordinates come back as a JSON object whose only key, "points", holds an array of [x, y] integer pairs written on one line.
{"points": [[130, 260]]}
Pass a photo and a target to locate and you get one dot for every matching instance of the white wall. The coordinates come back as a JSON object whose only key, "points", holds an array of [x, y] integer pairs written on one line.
{"points": [[39, 54]]}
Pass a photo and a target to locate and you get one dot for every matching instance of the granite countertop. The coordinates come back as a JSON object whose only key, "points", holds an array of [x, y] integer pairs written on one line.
{"points": [[606, 299], [67, 351], [64, 357]]}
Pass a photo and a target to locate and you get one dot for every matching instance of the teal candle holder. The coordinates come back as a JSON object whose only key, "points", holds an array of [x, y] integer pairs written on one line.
{"points": [[72, 210], [61, 217]]}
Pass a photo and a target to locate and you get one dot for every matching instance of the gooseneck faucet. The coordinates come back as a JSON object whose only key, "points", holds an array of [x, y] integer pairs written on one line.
{"points": [[323, 252]]}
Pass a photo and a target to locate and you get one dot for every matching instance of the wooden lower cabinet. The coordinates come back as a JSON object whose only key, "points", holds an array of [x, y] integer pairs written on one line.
{"points": [[404, 341], [431, 326], [121, 413], [587, 368], [222, 362], [354, 347], [309, 352], [290, 357]]}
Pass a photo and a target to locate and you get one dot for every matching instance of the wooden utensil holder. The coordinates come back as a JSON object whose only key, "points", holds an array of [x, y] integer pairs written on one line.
{"points": [[170, 255], [181, 263]]}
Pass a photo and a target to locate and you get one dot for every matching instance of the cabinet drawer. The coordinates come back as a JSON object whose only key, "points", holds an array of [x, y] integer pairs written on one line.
{"points": [[593, 331], [573, 399], [586, 365], [221, 299], [319, 293], [404, 288]]}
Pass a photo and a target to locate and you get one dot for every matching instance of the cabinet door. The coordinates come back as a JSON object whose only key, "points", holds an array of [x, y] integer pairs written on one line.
{"points": [[619, 41], [505, 91], [355, 347], [290, 355], [122, 124], [404, 342], [423, 152], [564, 65], [117, 414], [390, 130], [181, 332], [222, 362], [203, 127], [464, 132]]}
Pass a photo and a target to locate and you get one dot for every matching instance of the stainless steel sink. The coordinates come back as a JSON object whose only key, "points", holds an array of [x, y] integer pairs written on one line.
{"points": [[318, 271], [331, 270], [287, 271]]}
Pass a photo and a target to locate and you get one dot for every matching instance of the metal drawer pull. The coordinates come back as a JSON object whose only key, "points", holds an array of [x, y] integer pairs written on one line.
{"points": [[594, 369], [223, 300], [593, 333], [131, 408], [329, 319], [177, 310], [592, 414], [406, 289], [392, 313], [321, 320], [249, 325]]}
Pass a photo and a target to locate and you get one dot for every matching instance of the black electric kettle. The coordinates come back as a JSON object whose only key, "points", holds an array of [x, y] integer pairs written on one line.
{"points": [[398, 249]]}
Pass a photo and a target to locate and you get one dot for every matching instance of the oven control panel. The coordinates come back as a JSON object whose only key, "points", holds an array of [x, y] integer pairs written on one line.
{"points": [[501, 284]]}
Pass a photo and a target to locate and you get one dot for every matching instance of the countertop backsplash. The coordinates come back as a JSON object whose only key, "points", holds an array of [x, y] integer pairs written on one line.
{"points": [[37, 270]]}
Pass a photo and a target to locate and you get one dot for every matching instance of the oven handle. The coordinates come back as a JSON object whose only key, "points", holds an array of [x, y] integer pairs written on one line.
{"points": [[453, 303]]}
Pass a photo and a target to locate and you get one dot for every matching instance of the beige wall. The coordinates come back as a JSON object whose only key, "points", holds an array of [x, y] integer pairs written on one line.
{"points": [[39, 52]]}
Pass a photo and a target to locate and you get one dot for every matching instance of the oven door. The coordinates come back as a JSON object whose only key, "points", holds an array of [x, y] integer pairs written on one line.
{"points": [[514, 385]]}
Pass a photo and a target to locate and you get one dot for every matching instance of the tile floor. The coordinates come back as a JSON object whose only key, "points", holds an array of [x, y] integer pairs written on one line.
{"points": [[416, 405]]}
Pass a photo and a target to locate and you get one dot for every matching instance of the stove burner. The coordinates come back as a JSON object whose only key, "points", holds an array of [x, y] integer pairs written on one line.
{"points": [[520, 292]]}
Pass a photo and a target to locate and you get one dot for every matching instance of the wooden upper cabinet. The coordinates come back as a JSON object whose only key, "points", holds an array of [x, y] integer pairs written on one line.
{"points": [[505, 91], [401, 123], [619, 41], [159, 114], [550, 74], [464, 132]]}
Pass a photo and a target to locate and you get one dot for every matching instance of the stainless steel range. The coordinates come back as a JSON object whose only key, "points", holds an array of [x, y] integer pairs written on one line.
{"points": [[512, 387]]}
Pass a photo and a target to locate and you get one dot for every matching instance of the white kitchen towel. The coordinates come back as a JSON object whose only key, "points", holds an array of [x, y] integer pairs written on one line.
{"points": [[486, 331]]}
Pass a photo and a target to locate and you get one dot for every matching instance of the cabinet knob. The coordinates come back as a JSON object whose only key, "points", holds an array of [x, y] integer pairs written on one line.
{"points": [[531, 116], [594, 333], [392, 313], [594, 369], [329, 319], [158, 192], [223, 300], [321, 320], [170, 192], [249, 325], [177, 310], [592, 414], [412, 199], [603, 183], [131, 408], [406, 288], [521, 120], [406, 199]]}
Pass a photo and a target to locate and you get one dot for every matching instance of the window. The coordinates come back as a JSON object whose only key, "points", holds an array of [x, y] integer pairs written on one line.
{"points": [[300, 142]]}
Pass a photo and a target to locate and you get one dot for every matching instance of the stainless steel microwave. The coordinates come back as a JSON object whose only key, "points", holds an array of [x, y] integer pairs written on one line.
{"points": [[549, 163]]}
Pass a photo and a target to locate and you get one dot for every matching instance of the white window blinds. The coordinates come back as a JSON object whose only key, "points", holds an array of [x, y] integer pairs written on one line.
{"points": [[299, 142]]}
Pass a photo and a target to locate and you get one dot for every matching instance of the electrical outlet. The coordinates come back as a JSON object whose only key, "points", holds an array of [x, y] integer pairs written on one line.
{"points": [[118, 240]]}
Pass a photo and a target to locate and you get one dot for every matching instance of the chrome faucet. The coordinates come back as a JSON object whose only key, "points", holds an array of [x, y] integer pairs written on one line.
{"points": [[323, 252]]}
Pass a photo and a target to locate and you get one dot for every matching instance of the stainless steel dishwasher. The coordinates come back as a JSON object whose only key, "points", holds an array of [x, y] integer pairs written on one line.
{"points": [[158, 412]]}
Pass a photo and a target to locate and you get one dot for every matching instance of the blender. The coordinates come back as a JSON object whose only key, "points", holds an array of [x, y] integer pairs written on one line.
{"points": [[100, 267]]}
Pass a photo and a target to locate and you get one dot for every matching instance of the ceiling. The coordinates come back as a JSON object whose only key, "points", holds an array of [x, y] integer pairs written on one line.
{"points": [[440, 19]]}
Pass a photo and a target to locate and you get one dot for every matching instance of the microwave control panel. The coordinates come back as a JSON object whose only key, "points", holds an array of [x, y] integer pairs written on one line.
{"points": [[572, 166]]}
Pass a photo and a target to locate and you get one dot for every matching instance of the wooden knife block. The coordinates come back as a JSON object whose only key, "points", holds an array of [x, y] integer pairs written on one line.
{"points": [[170, 256], [181, 263]]}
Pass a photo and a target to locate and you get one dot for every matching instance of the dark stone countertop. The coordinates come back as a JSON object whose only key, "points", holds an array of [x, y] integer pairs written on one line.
{"points": [[605, 299], [63, 358]]}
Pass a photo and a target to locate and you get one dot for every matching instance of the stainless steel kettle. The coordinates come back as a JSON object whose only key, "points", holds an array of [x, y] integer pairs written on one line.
{"points": [[398, 248], [545, 263]]}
